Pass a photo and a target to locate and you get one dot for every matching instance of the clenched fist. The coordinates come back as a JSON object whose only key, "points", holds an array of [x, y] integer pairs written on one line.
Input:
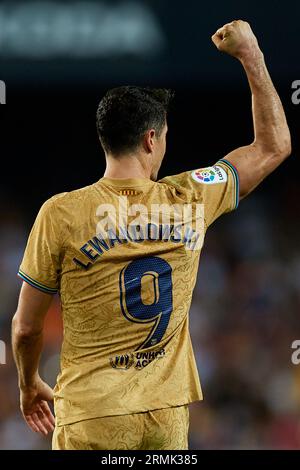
{"points": [[236, 39]]}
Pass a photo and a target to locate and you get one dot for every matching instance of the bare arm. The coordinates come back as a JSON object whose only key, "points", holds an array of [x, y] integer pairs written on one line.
{"points": [[272, 142], [27, 342]]}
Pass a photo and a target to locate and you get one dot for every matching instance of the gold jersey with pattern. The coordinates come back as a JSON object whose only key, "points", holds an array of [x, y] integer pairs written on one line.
{"points": [[126, 296]]}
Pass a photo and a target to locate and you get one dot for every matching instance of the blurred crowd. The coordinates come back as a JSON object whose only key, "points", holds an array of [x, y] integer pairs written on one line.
{"points": [[244, 318]]}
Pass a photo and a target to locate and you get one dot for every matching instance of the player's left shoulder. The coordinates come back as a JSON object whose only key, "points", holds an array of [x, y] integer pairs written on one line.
{"points": [[210, 175], [177, 186]]}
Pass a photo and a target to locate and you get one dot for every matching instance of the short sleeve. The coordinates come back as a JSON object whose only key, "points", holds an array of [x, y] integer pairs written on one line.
{"points": [[216, 187], [40, 265]]}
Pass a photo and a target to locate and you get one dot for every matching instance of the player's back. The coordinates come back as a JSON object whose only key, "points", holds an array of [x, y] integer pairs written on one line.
{"points": [[124, 256], [124, 259]]}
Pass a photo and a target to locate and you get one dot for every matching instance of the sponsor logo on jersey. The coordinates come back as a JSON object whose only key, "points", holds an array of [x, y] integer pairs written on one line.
{"points": [[211, 175], [144, 358], [139, 360], [125, 361]]}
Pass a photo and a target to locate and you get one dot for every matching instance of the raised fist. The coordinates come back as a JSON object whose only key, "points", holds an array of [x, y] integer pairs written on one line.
{"points": [[236, 39]]}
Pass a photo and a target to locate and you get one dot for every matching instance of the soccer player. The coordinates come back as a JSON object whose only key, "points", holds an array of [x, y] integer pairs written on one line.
{"points": [[125, 281]]}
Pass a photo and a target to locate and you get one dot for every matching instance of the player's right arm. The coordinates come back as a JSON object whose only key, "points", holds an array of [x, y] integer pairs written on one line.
{"points": [[40, 270], [272, 141]]}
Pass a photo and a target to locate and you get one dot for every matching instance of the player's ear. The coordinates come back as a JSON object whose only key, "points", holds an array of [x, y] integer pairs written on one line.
{"points": [[149, 139]]}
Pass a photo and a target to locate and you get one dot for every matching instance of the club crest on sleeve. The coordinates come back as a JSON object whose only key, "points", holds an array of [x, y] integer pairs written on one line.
{"points": [[211, 175]]}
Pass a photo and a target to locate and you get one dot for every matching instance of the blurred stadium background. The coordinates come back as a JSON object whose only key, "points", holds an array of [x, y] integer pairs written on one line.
{"points": [[57, 59]]}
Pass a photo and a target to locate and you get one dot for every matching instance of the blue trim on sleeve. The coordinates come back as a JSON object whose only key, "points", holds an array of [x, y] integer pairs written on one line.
{"points": [[235, 178], [36, 284]]}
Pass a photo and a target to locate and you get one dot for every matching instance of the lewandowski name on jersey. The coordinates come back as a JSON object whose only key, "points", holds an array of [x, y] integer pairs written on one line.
{"points": [[178, 223]]}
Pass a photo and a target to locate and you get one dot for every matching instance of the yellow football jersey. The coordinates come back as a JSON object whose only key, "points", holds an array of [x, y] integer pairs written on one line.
{"points": [[123, 255]]}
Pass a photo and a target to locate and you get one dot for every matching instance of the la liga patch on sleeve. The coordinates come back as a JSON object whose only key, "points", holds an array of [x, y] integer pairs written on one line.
{"points": [[210, 175]]}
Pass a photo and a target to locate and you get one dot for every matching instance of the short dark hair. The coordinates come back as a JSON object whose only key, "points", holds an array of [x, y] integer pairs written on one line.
{"points": [[125, 113]]}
